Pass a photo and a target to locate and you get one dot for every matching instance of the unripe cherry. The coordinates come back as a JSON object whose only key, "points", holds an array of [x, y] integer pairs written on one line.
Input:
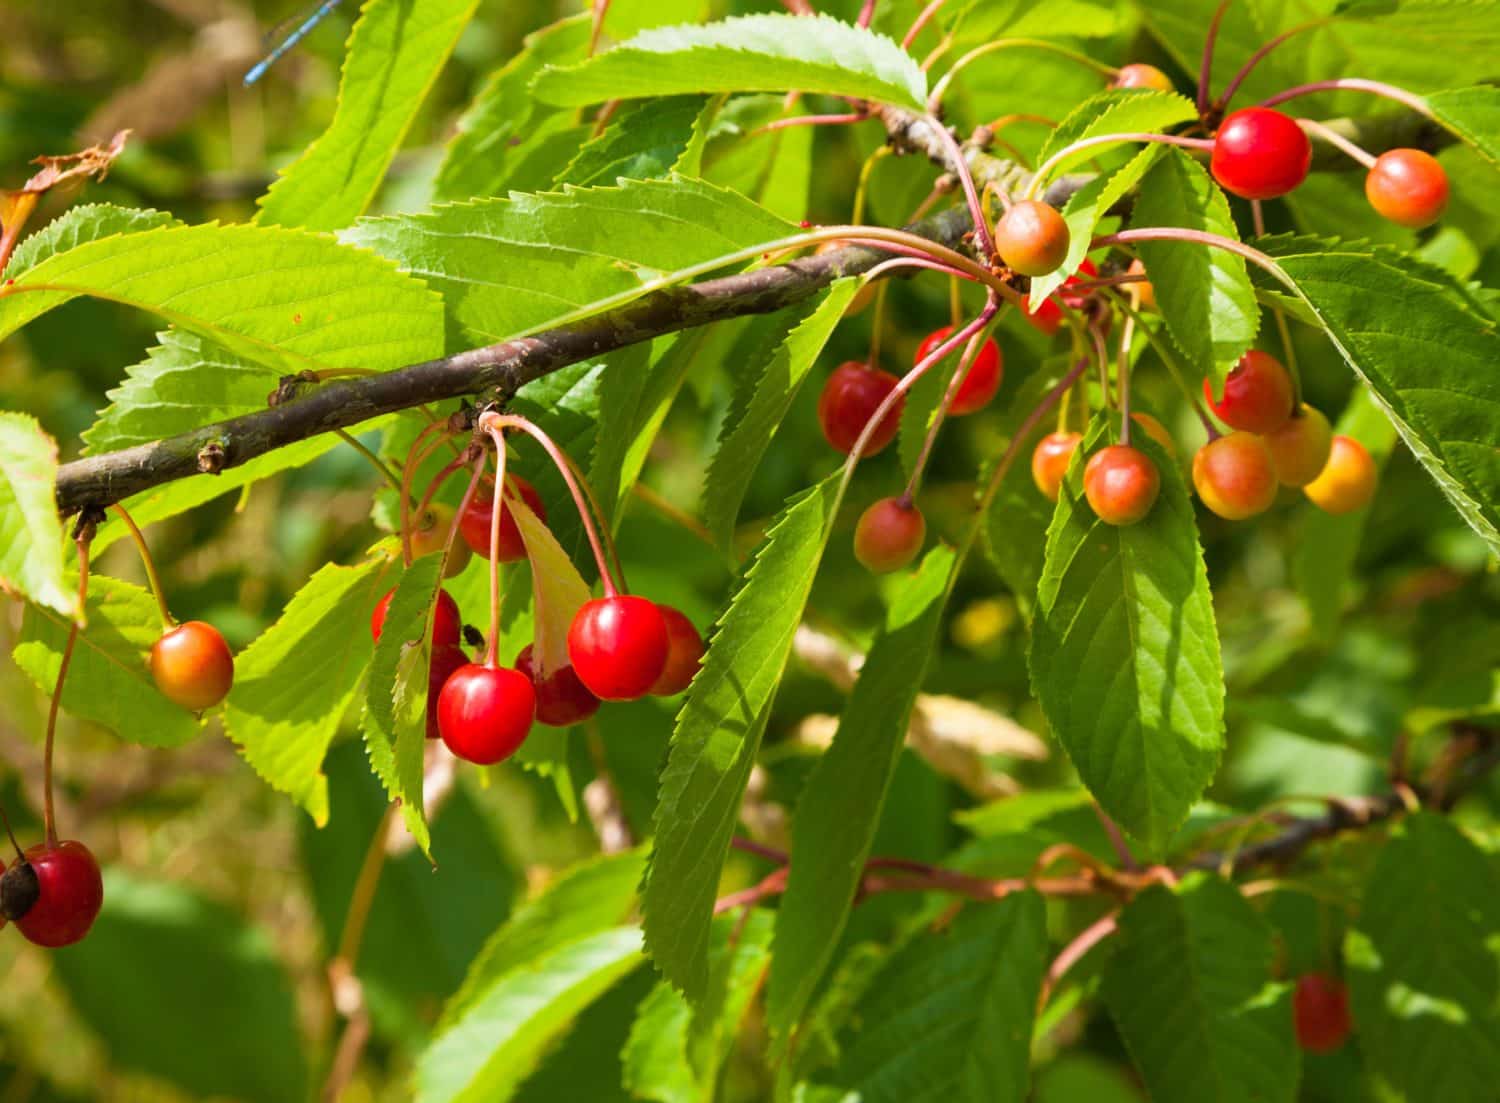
{"points": [[1156, 431], [561, 699], [1050, 459], [889, 535], [984, 374], [192, 666], [66, 894], [1347, 481], [474, 525], [444, 662], [1408, 187], [430, 532], [850, 398], [1032, 238], [485, 712], [1121, 484], [1260, 154], [1320, 1011], [1140, 75], [447, 622], [684, 653], [619, 646], [1257, 394], [1300, 448], [1235, 476], [1145, 292]]}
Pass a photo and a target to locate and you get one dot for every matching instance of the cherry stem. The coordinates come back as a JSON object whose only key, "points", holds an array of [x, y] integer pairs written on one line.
{"points": [[49, 815], [811, 120], [20, 213], [151, 576], [435, 485], [1041, 174], [1095, 933], [1023, 431], [414, 457], [1354, 84], [491, 422], [492, 649], [1196, 237], [971, 350], [1205, 70], [866, 14], [919, 22], [877, 322], [1256, 58], [1168, 359], [21, 854], [936, 98], [363, 897], [955, 301], [605, 528], [861, 190], [982, 239], [375, 461], [1122, 373], [1338, 141], [601, 9]]}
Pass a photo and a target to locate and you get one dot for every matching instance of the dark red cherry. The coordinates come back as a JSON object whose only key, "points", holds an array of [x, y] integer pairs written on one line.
{"points": [[445, 660], [850, 398], [65, 892], [561, 699], [619, 646], [1260, 154], [1320, 1010], [982, 380], [446, 621], [485, 712], [474, 525], [192, 666], [684, 653]]}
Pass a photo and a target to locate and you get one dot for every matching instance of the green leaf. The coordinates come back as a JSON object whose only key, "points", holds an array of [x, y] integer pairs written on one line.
{"points": [[773, 167], [504, 123], [644, 141], [194, 974], [510, 266], [108, 681], [771, 383], [949, 1017], [674, 1053], [1204, 294], [1189, 986], [491, 1048], [1474, 115], [282, 298], [558, 591], [395, 720], [635, 391], [1422, 969], [718, 734], [294, 684], [1124, 654], [1114, 111], [589, 898], [1428, 357], [395, 53], [1326, 545], [752, 53], [79, 226], [31, 538], [841, 803]]}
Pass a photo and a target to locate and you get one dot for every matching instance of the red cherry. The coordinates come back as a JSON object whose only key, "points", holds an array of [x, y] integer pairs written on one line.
{"points": [[192, 666], [982, 380], [1141, 75], [474, 525], [1301, 447], [1121, 484], [1260, 154], [1320, 1010], [1235, 476], [1257, 394], [684, 653], [889, 535], [1049, 316], [1032, 238], [1050, 459], [619, 646], [485, 712], [430, 533], [1347, 481], [561, 699], [445, 660], [1408, 187], [850, 398], [447, 624], [68, 895]]}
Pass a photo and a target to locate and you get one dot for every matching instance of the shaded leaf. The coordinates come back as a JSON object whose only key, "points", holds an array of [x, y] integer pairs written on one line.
{"points": [[1474, 115], [644, 141]]}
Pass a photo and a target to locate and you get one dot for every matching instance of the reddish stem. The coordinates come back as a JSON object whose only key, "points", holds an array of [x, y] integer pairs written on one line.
{"points": [[960, 373], [1256, 58], [1085, 941], [49, 815], [982, 241], [811, 120], [1205, 71], [493, 649], [919, 22], [1354, 84], [866, 13]]}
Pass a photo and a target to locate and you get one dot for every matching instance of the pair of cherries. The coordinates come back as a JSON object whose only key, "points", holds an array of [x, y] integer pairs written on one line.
{"points": [[52, 893], [1120, 482]]}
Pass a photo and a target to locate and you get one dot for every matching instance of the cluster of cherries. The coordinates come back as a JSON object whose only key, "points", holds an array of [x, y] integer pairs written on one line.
{"points": [[620, 647]]}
